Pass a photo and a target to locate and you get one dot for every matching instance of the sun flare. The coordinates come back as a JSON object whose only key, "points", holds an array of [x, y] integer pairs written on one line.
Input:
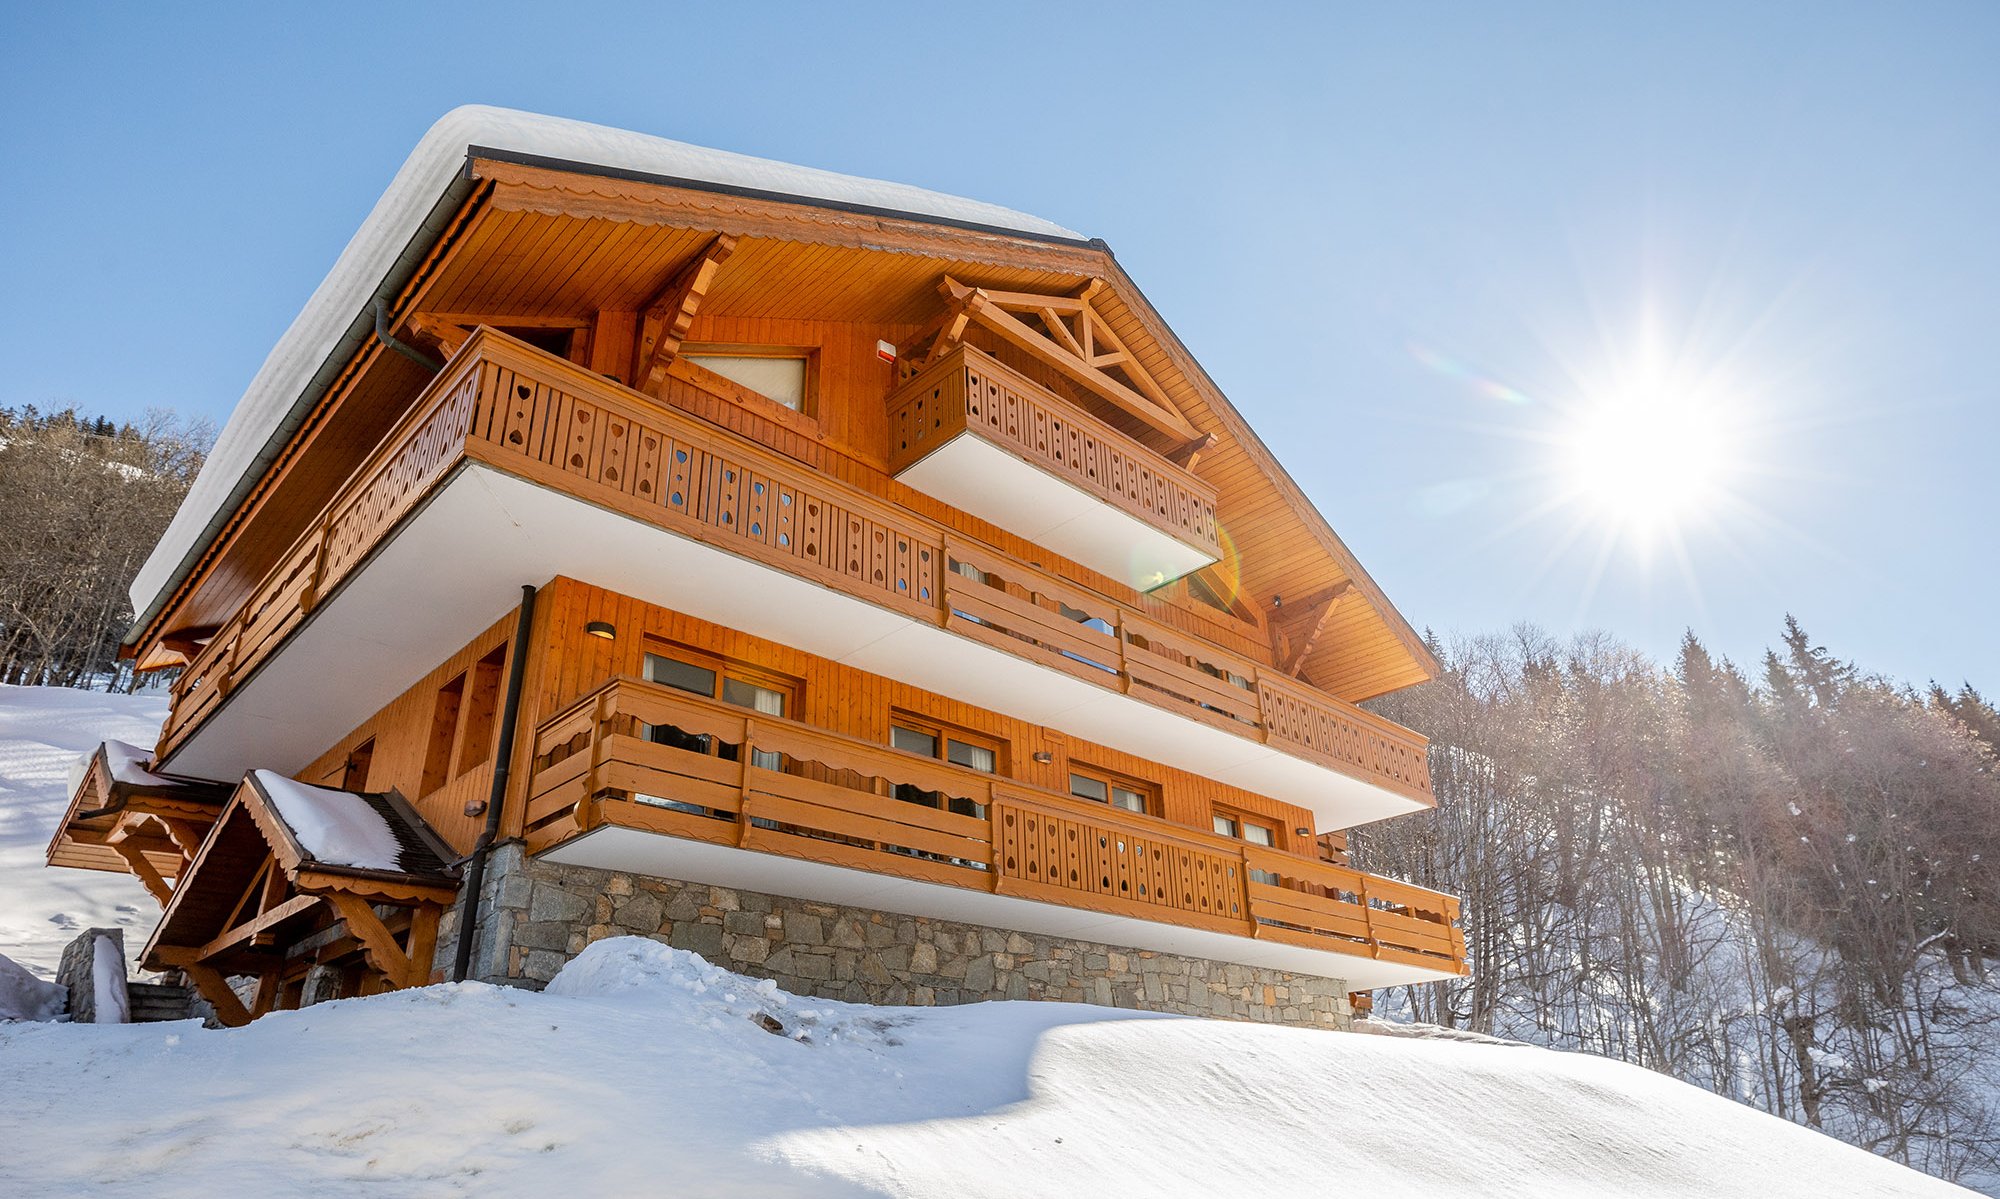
{"points": [[1646, 457]]}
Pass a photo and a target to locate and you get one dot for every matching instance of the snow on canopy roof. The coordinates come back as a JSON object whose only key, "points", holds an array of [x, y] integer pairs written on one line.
{"points": [[273, 404], [345, 828], [128, 763]]}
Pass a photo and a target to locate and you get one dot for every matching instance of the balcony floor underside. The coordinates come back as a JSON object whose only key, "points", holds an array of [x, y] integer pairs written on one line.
{"points": [[663, 856], [456, 565]]}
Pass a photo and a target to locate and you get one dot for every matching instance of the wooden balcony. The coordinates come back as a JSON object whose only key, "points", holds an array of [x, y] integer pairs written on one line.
{"points": [[990, 441], [838, 801], [509, 408]]}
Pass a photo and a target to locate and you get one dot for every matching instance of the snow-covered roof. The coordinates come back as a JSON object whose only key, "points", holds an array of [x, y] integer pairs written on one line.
{"points": [[351, 829], [277, 397], [129, 764]]}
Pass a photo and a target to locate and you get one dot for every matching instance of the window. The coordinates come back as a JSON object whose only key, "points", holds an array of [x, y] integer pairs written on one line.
{"points": [[1103, 787], [482, 705], [780, 376], [444, 728], [1229, 824], [929, 740], [354, 775], [739, 686]]}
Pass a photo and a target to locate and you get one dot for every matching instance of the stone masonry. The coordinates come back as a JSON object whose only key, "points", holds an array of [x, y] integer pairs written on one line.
{"points": [[537, 916]]}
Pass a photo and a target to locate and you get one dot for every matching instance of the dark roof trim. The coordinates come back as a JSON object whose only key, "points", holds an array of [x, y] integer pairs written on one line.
{"points": [[359, 331], [754, 193]]}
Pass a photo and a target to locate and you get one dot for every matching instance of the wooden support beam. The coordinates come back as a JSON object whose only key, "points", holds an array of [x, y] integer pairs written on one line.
{"points": [[185, 834], [942, 333], [135, 861], [990, 312], [252, 928], [378, 944], [441, 331], [665, 321], [1191, 453], [267, 992], [420, 944], [215, 988], [1299, 634]]}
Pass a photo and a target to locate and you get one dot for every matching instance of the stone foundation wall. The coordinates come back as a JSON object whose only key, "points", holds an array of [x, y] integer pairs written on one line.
{"points": [[535, 916]]}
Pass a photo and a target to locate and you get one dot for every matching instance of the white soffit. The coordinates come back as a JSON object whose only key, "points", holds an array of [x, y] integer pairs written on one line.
{"points": [[974, 475], [656, 854], [458, 564]]}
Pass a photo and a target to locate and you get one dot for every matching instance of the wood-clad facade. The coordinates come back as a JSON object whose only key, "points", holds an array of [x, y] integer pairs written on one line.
{"points": [[993, 594]]}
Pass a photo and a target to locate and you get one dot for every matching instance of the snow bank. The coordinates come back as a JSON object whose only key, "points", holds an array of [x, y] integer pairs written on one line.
{"points": [[25, 997], [338, 828], [349, 287], [643, 1070], [43, 733]]}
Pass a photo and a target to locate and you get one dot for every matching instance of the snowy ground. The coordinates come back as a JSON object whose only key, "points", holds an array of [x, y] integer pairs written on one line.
{"points": [[42, 732], [648, 1071]]}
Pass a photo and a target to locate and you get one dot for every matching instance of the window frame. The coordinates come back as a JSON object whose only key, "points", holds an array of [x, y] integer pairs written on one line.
{"points": [[724, 670], [1148, 792], [809, 391], [944, 734]]}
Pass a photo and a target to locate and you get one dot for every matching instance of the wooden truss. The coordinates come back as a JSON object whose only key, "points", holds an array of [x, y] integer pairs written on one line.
{"points": [[1296, 627], [277, 900], [1065, 332]]}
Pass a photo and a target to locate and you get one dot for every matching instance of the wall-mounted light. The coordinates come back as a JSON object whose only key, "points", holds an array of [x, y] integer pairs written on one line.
{"points": [[1302, 832], [601, 628], [1044, 756]]}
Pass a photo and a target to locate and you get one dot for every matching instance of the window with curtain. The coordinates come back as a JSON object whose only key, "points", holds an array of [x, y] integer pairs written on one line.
{"points": [[779, 377], [1100, 786], [714, 679], [950, 745], [1241, 828]]}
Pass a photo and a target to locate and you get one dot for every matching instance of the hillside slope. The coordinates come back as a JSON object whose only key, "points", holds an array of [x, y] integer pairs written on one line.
{"points": [[645, 1070], [42, 732]]}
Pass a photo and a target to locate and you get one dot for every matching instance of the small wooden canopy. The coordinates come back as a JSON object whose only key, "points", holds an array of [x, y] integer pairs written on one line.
{"points": [[124, 818], [258, 890]]}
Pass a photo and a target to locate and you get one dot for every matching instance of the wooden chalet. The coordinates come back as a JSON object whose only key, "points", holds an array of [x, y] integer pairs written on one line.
{"points": [[684, 516]]}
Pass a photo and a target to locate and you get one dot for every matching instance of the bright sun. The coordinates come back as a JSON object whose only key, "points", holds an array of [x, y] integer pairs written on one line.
{"points": [[1645, 457]]}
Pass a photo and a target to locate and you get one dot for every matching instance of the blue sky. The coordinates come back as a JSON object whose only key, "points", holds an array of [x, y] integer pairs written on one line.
{"points": [[1419, 246]]}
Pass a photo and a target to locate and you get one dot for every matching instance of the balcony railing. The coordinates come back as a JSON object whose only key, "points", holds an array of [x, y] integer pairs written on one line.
{"points": [[644, 756], [515, 408], [967, 390]]}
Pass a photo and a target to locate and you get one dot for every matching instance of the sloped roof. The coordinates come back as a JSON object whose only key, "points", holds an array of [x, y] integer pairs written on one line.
{"points": [[404, 221], [345, 832]]}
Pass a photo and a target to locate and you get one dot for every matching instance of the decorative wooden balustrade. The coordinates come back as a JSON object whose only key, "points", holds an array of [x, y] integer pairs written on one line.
{"points": [[518, 409], [969, 390], [645, 756]]}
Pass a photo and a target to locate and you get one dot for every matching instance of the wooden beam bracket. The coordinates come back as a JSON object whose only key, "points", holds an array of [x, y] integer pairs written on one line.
{"points": [[666, 319]]}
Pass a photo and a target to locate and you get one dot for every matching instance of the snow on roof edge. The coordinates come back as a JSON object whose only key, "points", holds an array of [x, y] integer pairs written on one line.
{"points": [[337, 828], [256, 427]]}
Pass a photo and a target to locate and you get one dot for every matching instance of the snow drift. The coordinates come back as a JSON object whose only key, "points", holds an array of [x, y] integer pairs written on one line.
{"points": [[645, 1070]]}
